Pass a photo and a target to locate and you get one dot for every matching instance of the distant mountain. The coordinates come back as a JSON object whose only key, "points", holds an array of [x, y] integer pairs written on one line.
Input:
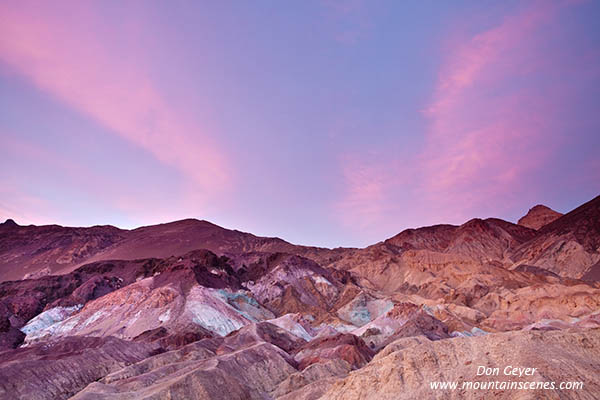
{"points": [[538, 216], [409, 259], [568, 246], [38, 250], [33, 251], [484, 240]]}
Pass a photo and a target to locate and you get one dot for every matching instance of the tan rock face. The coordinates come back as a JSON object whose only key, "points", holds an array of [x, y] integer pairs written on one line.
{"points": [[347, 347], [407, 372], [313, 373], [539, 216]]}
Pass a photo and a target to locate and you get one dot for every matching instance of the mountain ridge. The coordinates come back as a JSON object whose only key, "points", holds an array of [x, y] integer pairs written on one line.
{"points": [[47, 249]]}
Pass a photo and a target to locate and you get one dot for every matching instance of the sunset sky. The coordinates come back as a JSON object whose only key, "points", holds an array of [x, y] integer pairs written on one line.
{"points": [[332, 123]]}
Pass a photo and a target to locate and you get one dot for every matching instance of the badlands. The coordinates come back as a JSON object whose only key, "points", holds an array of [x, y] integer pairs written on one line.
{"points": [[190, 310]]}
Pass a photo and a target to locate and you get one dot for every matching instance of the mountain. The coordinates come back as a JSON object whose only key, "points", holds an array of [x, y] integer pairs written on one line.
{"points": [[569, 246], [479, 239], [37, 250], [191, 310], [418, 257], [538, 216]]}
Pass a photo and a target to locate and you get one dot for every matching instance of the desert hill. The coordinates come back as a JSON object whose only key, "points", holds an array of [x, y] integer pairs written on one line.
{"points": [[538, 216]]}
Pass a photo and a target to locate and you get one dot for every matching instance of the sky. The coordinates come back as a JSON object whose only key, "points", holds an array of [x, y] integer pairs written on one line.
{"points": [[330, 123]]}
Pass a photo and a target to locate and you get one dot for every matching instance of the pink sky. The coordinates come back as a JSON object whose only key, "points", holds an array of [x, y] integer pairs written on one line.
{"points": [[334, 123]]}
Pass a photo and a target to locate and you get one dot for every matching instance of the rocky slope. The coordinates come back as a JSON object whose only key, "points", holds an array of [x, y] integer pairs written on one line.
{"points": [[64, 367], [407, 372], [33, 251], [568, 246]]}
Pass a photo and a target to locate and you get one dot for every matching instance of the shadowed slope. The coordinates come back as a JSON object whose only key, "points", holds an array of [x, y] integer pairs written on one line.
{"points": [[568, 246], [39, 250]]}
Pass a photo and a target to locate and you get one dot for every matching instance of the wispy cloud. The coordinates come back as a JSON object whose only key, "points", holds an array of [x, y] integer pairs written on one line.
{"points": [[63, 58], [488, 126], [367, 193], [493, 126]]}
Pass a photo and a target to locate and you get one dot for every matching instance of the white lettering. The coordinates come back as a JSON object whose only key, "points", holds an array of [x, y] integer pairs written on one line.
{"points": [[483, 370], [518, 371]]}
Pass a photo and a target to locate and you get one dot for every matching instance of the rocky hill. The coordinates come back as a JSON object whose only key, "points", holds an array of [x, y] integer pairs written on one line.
{"points": [[538, 217]]}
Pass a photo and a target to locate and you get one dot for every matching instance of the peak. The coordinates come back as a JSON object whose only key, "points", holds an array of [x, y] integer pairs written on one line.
{"points": [[475, 222], [186, 221], [540, 207], [182, 224], [538, 216], [10, 222], [194, 221]]}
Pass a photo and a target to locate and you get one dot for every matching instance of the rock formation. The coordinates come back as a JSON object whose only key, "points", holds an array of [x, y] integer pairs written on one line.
{"points": [[539, 216]]}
